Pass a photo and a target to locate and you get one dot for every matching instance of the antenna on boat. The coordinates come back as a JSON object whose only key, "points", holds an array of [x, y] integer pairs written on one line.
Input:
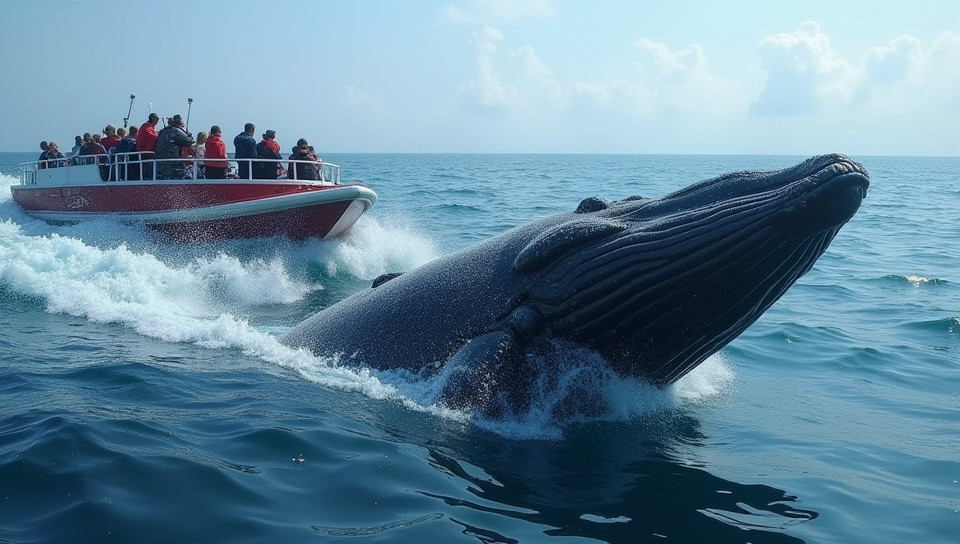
{"points": [[189, 104], [130, 109]]}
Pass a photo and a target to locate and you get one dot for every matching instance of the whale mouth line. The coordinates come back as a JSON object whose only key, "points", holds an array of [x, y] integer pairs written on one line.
{"points": [[852, 179]]}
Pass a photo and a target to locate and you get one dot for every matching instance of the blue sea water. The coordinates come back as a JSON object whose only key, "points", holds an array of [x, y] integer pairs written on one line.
{"points": [[144, 396]]}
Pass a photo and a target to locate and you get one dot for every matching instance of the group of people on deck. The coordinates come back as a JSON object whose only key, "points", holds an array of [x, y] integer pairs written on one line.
{"points": [[174, 142], [115, 140], [246, 147]]}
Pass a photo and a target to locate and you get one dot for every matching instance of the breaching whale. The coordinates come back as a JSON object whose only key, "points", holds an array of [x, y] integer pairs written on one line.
{"points": [[654, 286]]}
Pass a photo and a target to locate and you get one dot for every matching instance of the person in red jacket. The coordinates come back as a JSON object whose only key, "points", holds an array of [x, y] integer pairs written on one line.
{"points": [[214, 148], [110, 138], [268, 148], [146, 145]]}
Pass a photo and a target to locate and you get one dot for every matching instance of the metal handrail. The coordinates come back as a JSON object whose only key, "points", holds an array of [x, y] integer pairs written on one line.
{"points": [[115, 167]]}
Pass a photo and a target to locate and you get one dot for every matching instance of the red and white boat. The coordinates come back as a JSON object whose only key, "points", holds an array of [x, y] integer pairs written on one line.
{"points": [[125, 188]]}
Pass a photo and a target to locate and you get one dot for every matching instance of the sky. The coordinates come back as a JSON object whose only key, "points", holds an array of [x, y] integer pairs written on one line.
{"points": [[874, 77]]}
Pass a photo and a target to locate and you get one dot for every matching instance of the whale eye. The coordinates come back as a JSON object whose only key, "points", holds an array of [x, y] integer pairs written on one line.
{"points": [[592, 204]]}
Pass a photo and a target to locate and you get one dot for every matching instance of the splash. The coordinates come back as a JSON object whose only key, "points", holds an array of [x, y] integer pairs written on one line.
{"points": [[574, 385], [217, 296]]}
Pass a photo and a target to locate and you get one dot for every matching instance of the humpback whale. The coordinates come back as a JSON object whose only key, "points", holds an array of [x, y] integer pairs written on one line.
{"points": [[654, 286]]}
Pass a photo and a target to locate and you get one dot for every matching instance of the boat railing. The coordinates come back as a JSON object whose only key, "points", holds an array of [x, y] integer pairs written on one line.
{"points": [[143, 166]]}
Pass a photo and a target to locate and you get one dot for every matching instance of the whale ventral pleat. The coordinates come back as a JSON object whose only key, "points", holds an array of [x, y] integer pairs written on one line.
{"points": [[562, 239]]}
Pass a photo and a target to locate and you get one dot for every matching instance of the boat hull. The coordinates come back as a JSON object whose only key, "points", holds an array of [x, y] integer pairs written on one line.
{"points": [[203, 210]]}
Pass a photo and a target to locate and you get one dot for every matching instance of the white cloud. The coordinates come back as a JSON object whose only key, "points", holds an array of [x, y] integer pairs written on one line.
{"points": [[803, 73], [893, 62], [540, 78], [682, 80], [803, 85], [664, 80], [904, 75], [941, 71], [901, 77], [487, 91]]}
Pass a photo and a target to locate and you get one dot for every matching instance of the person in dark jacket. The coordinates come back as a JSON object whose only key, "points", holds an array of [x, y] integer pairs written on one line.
{"points": [[52, 156], [268, 148], [91, 147], [169, 142], [245, 147], [127, 144], [94, 153], [77, 144], [306, 171]]}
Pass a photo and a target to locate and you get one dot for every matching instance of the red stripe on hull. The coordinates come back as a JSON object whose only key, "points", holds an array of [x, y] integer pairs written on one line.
{"points": [[298, 223], [143, 198]]}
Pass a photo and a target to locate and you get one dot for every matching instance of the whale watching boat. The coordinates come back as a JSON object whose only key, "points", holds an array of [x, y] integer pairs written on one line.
{"points": [[125, 187]]}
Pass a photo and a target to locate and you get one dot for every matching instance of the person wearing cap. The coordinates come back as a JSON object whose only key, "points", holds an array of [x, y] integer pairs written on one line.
{"points": [[170, 140], [146, 145], [245, 147], [268, 148], [214, 148]]}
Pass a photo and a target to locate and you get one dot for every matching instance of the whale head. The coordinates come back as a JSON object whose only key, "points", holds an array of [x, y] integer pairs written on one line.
{"points": [[658, 285]]}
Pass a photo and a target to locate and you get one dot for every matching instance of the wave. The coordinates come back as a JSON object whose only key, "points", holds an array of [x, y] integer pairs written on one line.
{"points": [[949, 326], [915, 280]]}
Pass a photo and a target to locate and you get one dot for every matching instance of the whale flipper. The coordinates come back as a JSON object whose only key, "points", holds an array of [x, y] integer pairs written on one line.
{"points": [[476, 373], [561, 239]]}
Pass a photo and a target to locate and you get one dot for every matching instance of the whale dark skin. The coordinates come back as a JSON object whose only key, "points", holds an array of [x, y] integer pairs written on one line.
{"points": [[654, 286]]}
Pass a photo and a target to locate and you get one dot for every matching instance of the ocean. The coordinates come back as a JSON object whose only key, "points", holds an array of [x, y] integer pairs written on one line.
{"points": [[145, 397]]}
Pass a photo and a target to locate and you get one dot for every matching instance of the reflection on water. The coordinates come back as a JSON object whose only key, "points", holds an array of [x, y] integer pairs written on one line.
{"points": [[611, 482]]}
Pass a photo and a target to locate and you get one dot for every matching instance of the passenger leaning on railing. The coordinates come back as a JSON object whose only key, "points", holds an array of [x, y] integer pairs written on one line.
{"points": [[52, 157], [146, 144], [170, 140], [245, 147], [90, 148], [94, 153], [127, 144], [214, 148], [110, 137], [77, 144], [43, 152], [307, 171], [199, 151], [268, 148]]}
